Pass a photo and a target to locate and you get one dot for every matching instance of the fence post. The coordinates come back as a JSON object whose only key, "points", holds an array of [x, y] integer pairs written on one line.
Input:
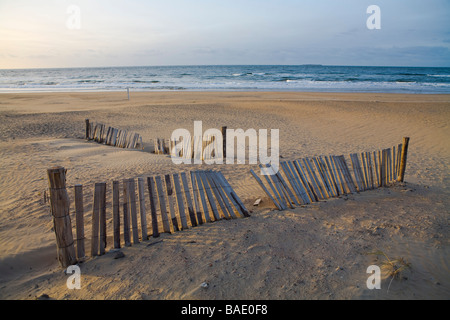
{"points": [[59, 206], [401, 173], [87, 129], [224, 140]]}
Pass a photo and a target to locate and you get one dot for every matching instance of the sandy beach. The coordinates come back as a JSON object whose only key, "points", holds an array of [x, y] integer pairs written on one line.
{"points": [[318, 251]]}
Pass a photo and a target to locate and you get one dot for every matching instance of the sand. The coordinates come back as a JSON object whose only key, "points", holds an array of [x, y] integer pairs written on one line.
{"points": [[318, 251]]}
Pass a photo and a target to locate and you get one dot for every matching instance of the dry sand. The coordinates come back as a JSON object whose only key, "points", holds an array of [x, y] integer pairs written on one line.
{"points": [[319, 251]]}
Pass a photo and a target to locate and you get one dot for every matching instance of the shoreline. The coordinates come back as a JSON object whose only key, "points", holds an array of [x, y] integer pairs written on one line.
{"points": [[337, 91]]}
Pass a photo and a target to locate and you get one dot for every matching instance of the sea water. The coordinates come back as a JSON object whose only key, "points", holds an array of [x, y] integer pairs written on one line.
{"points": [[316, 78]]}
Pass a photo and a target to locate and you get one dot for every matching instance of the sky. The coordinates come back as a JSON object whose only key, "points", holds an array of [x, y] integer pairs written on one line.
{"points": [[61, 33]]}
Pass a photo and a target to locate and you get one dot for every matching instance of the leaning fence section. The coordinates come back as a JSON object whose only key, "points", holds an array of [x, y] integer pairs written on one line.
{"points": [[176, 202], [308, 180], [196, 147], [110, 136]]}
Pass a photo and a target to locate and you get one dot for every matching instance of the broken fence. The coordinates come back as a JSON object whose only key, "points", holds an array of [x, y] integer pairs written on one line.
{"points": [[176, 201], [308, 180], [112, 136]]}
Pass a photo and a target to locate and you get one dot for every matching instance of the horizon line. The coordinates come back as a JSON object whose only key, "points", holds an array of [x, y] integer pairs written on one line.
{"points": [[226, 65]]}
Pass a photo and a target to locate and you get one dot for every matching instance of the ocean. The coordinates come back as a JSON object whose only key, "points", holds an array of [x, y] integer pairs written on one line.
{"points": [[315, 78]]}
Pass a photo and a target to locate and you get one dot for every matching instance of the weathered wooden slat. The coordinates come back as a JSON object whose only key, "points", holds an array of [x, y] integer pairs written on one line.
{"points": [[187, 194], [241, 206], [302, 176], [281, 191], [116, 214], [187, 151], [209, 195], [86, 136], [125, 139], [335, 174], [320, 178], [126, 214], [119, 138], [277, 193], [303, 193], [201, 192], [103, 134], [347, 174], [100, 133], [368, 159], [343, 188], [132, 142], [226, 188], [95, 220], [169, 190], [133, 210], [136, 141], [341, 174], [94, 132], [362, 163], [142, 211], [330, 176], [380, 173], [364, 171], [370, 169], [284, 196], [91, 131], [79, 220], [308, 196], [394, 163], [196, 195], [388, 166], [97, 132], [375, 169], [180, 201], [286, 187], [292, 181], [162, 205], [357, 171], [307, 171], [382, 168], [156, 147], [399, 155], [107, 136], [114, 137], [152, 198], [102, 216], [216, 193], [229, 208], [314, 179]]}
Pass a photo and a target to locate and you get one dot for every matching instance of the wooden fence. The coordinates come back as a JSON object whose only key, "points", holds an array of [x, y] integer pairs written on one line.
{"points": [[112, 136], [313, 179], [207, 148], [183, 200], [195, 148], [206, 196]]}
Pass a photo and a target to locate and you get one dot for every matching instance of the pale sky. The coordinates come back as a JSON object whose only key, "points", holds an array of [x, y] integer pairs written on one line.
{"points": [[44, 33]]}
